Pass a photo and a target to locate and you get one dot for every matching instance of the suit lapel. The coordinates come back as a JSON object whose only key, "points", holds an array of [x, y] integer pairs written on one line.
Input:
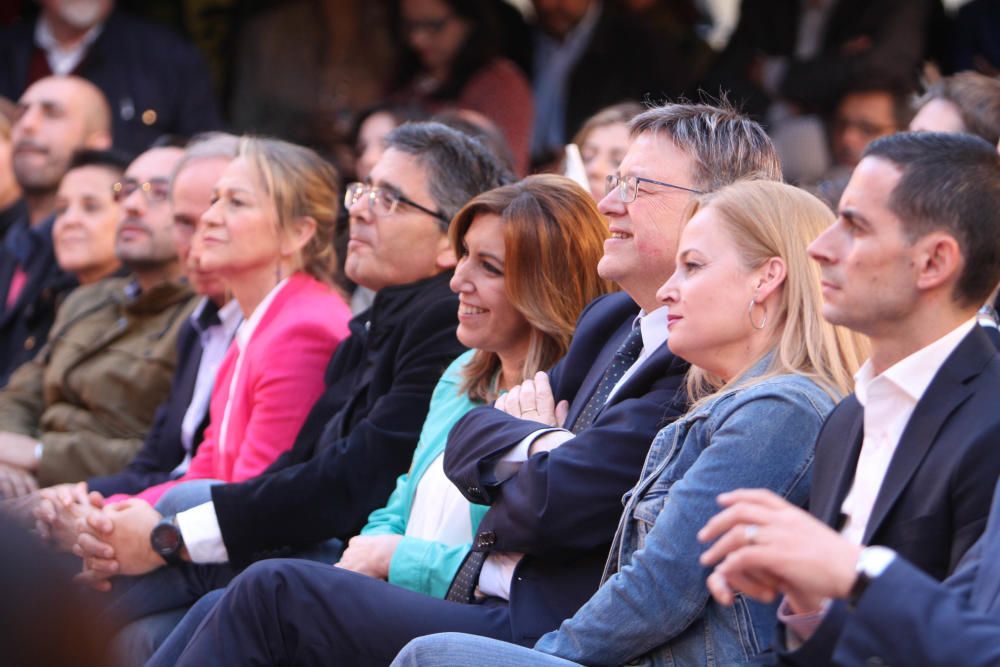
{"points": [[946, 392], [832, 488]]}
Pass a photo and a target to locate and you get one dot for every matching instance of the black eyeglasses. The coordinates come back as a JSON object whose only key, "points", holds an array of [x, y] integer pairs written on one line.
{"points": [[628, 187], [155, 190], [384, 202]]}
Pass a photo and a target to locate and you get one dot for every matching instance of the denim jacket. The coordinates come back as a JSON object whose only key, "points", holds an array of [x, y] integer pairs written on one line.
{"points": [[653, 607]]}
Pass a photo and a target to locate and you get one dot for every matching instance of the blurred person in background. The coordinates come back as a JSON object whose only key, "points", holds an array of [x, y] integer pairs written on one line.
{"points": [[587, 55], [83, 405], [602, 142], [304, 70], [12, 206], [964, 102], [155, 82], [87, 216], [55, 117], [201, 345], [453, 60]]}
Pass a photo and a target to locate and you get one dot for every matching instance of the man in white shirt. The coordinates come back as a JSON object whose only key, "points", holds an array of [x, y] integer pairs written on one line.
{"points": [[907, 465]]}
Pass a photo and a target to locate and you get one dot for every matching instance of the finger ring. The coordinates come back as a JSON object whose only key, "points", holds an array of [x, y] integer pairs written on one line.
{"points": [[524, 412], [750, 533]]}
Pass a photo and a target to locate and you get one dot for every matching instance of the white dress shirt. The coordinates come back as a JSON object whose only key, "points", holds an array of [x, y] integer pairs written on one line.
{"points": [[215, 340], [889, 400], [199, 525], [440, 513], [498, 570]]}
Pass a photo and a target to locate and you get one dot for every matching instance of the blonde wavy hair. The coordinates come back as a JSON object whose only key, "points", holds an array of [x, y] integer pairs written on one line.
{"points": [[769, 219], [301, 184]]}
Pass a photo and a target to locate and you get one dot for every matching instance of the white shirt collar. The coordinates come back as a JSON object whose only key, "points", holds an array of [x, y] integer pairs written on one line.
{"points": [[654, 328], [61, 60], [914, 373], [250, 325], [231, 316]]}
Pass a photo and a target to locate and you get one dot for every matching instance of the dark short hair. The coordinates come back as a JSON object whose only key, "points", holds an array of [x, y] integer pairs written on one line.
{"points": [[950, 182], [459, 167], [724, 145], [113, 160], [899, 89]]}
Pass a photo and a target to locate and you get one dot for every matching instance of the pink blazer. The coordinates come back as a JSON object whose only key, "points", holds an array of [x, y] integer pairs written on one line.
{"points": [[280, 378]]}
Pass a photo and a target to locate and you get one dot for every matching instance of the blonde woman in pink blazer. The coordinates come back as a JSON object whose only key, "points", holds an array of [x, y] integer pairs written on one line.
{"points": [[268, 234]]}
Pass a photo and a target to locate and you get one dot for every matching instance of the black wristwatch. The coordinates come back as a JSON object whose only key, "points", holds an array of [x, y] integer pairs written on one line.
{"points": [[167, 541], [871, 564]]}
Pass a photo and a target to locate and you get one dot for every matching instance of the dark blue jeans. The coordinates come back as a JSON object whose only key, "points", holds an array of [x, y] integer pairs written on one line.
{"points": [[288, 612]]}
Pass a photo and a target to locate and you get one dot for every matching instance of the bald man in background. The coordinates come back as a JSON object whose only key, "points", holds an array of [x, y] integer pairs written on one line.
{"points": [[57, 116]]}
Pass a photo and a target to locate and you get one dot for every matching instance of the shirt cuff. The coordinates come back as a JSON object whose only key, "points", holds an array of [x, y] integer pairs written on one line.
{"points": [[202, 535], [508, 465], [800, 627]]}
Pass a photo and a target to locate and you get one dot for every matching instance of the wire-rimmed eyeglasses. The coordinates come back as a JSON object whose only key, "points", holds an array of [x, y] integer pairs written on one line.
{"points": [[382, 201], [156, 190], [628, 187]]}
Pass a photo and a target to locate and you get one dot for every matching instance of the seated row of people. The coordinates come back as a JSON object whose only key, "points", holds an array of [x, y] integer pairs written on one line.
{"points": [[908, 266], [545, 468]]}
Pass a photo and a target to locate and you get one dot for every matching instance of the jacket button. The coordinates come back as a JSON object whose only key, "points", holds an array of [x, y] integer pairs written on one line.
{"points": [[473, 490], [29, 343], [487, 539]]}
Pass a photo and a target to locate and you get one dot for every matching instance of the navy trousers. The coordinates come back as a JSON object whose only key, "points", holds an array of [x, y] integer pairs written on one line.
{"points": [[284, 612]]}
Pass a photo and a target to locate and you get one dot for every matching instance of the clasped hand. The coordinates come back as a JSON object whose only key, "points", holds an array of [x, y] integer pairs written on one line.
{"points": [[59, 508], [533, 400], [115, 541]]}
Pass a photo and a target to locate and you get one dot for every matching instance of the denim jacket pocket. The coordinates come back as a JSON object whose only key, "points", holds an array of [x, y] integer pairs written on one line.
{"points": [[645, 513]]}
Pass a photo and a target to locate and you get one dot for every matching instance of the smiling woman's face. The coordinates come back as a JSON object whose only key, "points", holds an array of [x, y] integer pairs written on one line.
{"points": [[86, 219], [486, 318]]}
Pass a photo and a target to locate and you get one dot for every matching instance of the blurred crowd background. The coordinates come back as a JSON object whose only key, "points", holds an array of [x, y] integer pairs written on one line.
{"points": [[825, 76]]}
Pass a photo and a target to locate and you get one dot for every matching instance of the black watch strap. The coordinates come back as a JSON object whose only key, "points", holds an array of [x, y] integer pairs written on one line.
{"points": [[167, 540]]}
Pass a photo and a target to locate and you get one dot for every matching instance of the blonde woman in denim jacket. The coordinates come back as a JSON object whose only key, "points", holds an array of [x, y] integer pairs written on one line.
{"points": [[766, 370]]}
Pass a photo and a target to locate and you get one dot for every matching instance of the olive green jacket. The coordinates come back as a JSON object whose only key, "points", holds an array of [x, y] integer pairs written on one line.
{"points": [[90, 394]]}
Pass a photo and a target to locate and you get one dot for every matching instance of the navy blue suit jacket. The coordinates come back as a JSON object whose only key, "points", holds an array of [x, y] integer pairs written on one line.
{"points": [[908, 618], [24, 327], [162, 449], [562, 507], [936, 495], [141, 68]]}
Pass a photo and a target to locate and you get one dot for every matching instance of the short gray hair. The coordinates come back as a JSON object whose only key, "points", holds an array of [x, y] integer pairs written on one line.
{"points": [[725, 145], [206, 145], [459, 166]]}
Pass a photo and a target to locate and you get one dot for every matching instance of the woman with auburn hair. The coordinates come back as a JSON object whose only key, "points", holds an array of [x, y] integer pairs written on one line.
{"points": [[518, 308], [517, 311], [744, 310], [268, 236]]}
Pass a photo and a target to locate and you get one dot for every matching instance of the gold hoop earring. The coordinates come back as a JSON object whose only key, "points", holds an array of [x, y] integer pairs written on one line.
{"points": [[763, 322]]}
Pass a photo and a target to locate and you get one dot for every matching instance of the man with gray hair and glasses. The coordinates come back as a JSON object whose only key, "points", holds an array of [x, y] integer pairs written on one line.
{"points": [[552, 471]]}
